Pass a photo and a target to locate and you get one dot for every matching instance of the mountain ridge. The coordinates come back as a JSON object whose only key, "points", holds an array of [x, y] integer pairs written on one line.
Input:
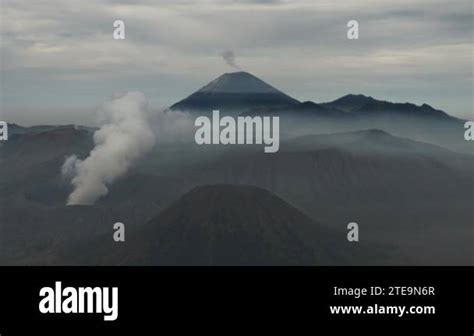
{"points": [[249, 95], [359, 103]]}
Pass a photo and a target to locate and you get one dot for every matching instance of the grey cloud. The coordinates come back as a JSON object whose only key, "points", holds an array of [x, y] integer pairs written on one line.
{"points": [[299, 46]]}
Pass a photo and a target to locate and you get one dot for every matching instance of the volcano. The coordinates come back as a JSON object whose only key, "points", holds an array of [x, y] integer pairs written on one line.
{"points": [[233, 93], [227, 225]]}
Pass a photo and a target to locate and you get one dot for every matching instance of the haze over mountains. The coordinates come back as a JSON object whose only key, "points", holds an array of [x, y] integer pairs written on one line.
{"points": [[402, 171], [241, 93]]}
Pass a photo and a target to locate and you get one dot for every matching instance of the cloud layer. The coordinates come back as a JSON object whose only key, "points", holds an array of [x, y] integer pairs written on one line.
{"points": [[61, 53]]}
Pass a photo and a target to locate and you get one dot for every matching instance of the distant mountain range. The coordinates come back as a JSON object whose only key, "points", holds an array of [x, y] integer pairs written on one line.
{"points": [[245, 93], [361, 104], [14, 129]]}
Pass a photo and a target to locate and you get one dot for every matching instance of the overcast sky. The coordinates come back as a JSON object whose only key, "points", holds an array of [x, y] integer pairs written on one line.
{"points": [[59, 60]]}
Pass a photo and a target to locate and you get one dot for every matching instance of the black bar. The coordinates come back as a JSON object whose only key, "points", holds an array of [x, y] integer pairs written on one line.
{"points": [[199, 299]]}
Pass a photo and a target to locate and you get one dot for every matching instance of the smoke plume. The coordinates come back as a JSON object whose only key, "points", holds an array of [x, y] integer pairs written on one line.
{"points": [[229, 58], [123, 139], [173, 126]]}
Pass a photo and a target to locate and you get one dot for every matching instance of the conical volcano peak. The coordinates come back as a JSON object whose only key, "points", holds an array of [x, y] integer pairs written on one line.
{"points": [[234, 92], [210, 224], [238, 82]]}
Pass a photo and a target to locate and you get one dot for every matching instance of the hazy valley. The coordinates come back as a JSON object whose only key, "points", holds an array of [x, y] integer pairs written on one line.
{"points": [[403, 172]]}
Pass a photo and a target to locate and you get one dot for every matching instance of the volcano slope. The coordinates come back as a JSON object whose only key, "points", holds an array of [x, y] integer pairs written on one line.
{"points": [[228, 225], [413, 195]]}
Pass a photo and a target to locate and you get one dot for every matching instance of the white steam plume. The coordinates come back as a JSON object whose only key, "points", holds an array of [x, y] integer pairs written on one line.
{"points": [[173, 126], [124, 138], [229, 58]]}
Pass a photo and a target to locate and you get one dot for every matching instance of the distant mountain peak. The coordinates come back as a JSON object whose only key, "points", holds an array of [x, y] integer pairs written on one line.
{"points": [[233, 225], [351, 102], [234, 91], [426, 106], [352, 96], [238, 82], [309, 103], [373, 132]]}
